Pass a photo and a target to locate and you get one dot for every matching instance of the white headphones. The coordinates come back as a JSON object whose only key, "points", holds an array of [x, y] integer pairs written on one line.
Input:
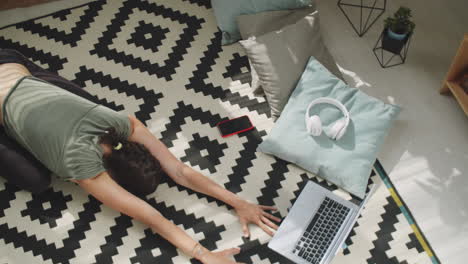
{"points": [[314, 124]]}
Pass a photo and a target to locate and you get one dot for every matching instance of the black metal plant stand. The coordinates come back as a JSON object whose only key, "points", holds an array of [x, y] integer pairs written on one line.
{"points": [[363, 29], [396, 48]]}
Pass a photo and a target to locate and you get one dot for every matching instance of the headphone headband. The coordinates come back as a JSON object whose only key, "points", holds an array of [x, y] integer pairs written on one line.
{"points": [[332, 101]]}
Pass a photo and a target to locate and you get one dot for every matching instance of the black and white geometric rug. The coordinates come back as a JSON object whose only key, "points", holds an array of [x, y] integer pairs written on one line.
{"points": [[162, 61]]}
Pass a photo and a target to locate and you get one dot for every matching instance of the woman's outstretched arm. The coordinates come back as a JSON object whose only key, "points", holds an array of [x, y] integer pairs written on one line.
{"points": [[106, 190], [188, 177]]}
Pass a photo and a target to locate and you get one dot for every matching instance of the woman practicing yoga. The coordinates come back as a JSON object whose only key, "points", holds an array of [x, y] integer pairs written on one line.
{"points": [[110, 155]]}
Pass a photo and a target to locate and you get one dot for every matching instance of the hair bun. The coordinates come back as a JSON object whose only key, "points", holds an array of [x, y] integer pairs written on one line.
{"points": [[118, 146]]}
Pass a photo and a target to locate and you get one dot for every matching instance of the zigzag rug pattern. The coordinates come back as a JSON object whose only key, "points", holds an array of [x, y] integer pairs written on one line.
{"points": [[162, 61]]}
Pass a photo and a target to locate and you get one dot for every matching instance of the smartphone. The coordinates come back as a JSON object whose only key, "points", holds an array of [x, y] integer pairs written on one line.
{"points": [[234, 126]]}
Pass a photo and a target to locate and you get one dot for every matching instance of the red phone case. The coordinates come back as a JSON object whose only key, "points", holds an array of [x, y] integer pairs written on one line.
{"points": [[237, 132]]}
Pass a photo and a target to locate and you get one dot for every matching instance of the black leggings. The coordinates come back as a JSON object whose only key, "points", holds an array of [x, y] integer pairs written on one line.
{"points": [[21, 168]]}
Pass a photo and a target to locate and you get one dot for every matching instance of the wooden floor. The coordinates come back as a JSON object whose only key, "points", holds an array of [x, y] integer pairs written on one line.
{"points": [[426, 152]]}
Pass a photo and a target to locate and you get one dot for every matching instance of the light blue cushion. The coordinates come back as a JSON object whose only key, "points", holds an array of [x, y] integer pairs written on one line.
{"points": [[226, 12], [347, 162]]}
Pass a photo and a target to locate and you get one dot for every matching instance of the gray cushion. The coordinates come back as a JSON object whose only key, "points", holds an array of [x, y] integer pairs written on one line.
{"points": [[226, 12], [261, 23], [279, 57], [254, 81]]}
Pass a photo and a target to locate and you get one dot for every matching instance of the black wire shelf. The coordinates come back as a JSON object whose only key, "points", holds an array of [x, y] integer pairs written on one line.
{"points": [[364, 27]]}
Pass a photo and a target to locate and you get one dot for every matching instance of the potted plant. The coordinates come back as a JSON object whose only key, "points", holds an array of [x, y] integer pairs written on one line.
{"points": [[400, 25], [397, 30]]}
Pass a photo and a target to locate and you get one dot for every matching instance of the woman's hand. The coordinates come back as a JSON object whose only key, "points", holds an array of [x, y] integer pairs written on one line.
{"points": [[220, 257], [256, 214]]}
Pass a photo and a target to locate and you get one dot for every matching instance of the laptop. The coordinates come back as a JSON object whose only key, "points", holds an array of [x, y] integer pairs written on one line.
{"points": [[316, 226]]}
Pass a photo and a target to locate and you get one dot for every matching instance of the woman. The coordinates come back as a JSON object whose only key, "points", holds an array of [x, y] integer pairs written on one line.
{"points": [[109, 155]]}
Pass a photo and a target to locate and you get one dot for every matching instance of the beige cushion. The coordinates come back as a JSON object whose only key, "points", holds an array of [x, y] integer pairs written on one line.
{"points": [[279, 57]]}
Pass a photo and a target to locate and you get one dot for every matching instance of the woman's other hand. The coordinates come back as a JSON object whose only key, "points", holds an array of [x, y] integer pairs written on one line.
{"points": [[256, 214]]}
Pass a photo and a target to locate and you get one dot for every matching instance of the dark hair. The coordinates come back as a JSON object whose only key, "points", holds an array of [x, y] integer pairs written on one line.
{"points": [[131, 164]]}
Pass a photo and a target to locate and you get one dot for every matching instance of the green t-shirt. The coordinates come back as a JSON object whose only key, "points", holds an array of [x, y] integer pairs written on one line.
{"points": [[59, 128]]}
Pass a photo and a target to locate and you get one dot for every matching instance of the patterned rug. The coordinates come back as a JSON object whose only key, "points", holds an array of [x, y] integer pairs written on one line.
{"points": [[162, 61]]}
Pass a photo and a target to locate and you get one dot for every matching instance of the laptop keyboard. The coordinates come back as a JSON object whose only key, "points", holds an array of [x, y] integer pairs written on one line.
{"points": [[321, 231]]}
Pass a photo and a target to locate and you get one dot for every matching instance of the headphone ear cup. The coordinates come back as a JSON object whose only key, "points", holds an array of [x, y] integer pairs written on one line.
{"points": [[338, 129], [314, 125]]}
